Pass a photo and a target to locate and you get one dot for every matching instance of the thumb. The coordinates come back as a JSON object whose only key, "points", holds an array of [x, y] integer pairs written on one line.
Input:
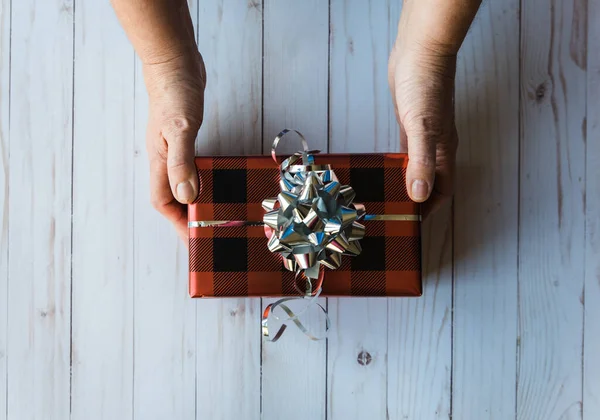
{"points": [[420, 173], [181, 169]]}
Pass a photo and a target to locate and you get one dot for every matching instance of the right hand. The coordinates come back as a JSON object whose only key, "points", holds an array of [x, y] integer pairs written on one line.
{"points": [[176, 94]]}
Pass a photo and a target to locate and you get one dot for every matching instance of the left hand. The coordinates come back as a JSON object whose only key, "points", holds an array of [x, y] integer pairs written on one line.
{"points": [[422, 85]]}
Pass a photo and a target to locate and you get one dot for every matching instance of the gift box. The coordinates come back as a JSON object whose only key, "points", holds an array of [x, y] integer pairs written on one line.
{"points": [[229, 245]]}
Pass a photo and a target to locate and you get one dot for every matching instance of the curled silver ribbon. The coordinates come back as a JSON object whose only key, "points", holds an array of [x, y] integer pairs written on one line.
{"points": [[294, 317]]}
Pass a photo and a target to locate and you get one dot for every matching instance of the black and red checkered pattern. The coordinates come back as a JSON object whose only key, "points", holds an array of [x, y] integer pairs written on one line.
{"points": [[235, 261]]}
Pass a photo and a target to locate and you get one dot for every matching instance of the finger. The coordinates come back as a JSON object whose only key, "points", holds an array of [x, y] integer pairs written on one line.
{"points": [[163, 200], [183, 177], [445, 174], [422, 137]]}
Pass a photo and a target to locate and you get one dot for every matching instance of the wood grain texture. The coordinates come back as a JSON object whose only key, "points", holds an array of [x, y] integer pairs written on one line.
{"points": [[164, 315], [295, 71], [102, 315], [591, 132], [295, 96], [4, 177], [361, 110], [486, 217], [40, 208], [420, 333], [357, 368], [552, 217], [228, 330], [228, 363], [233, 102]]}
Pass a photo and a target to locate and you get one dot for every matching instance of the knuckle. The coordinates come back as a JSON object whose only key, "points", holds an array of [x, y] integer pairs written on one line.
{"points": [[447, 145], [181, 126], [176, 163], [426, 125]]}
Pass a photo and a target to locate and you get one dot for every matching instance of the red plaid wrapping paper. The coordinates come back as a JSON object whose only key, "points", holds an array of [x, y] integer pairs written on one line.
{"points": [[235, 261]]}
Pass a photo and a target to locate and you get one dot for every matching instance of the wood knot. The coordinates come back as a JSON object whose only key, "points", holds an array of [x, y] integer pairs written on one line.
{"points": [[540, 92], [46, 313], [364, 358], [351, 46], [235, 311]]}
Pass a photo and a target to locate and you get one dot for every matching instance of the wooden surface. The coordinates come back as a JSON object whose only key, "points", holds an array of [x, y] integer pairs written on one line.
{"points": [[95, 321], [4, 152], [591, 348], [40, 173], [486, 217], [103, 276]]}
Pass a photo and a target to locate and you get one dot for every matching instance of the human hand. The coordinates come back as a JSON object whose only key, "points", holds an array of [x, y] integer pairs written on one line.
{"points": [[176, 94], [421, 80]]}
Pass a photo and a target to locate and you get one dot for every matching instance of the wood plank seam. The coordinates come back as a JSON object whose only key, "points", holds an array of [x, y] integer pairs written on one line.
{"points": [[5, 83], [518, 235], [72, 208]]}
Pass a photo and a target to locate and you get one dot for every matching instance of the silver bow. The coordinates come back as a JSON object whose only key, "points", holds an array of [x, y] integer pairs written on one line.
{"points": [[313, 221]]}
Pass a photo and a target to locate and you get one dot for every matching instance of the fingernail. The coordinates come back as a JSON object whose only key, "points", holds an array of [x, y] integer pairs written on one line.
{"points": [[185, 191], [419, 189]]}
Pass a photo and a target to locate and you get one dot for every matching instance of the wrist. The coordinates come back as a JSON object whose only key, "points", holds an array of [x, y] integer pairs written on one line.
{"points": [[166, 52], [187, 67], [416, 58]]}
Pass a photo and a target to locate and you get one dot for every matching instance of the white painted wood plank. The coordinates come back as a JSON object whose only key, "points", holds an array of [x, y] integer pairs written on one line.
{"points": [[357, 368], [102, 315], [295, 96], [296, 71], [361, 109], [228, 363], [591, 366], [228, 330], [486, 217], [40, 208], [165, 317], [552, 217], [419, 333], [4, 176], [230, 40], [361, 120]]}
